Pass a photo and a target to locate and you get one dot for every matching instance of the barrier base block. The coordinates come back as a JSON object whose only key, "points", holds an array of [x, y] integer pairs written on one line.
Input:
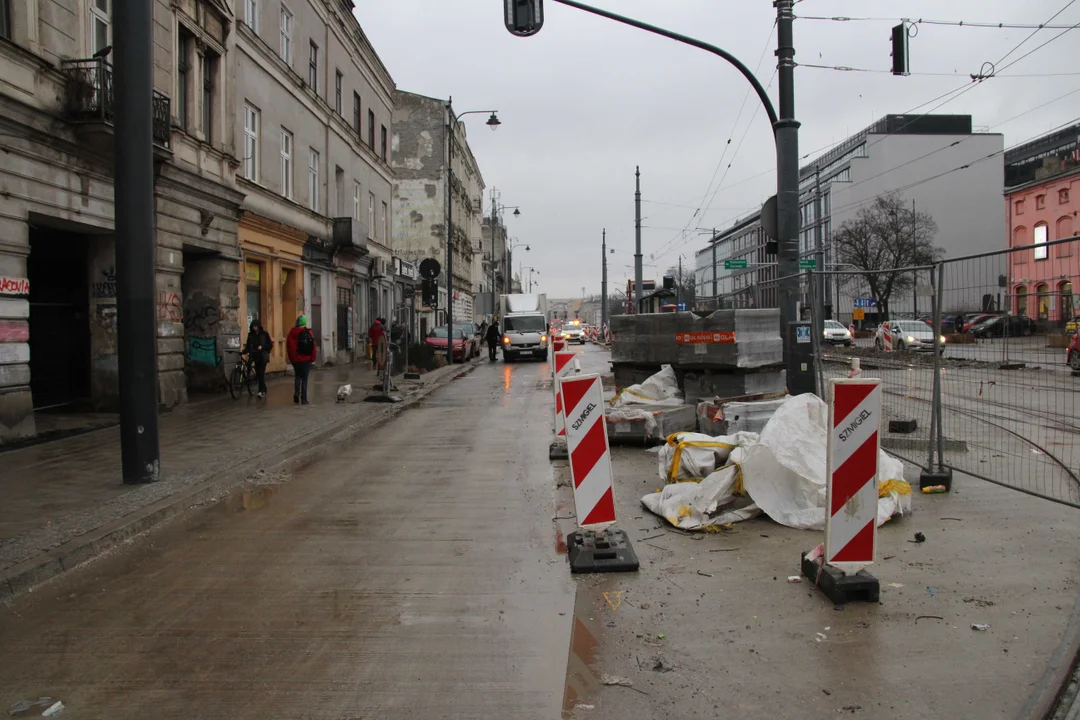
{"points": [[838, 586], [384, 399], [601, 551], [558, 450], [931, 478]]}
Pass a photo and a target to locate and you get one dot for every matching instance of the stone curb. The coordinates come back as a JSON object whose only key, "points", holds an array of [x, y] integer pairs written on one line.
{"points": [[49, 563]]}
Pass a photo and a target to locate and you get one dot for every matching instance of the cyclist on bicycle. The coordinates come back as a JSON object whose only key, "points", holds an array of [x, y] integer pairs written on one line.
{"points": [[257, 349]]}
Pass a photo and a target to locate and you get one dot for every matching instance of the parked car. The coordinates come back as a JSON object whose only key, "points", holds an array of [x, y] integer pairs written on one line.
{"points": [[1015, 325], [973, 319], [1072, 353], [436, 340], [837, 334], [472, 331], [907, 335]]}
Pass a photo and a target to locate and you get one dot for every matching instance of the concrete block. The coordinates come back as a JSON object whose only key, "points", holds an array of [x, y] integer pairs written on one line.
{"points": [[635, 428], [705, 385], [726, 418]]}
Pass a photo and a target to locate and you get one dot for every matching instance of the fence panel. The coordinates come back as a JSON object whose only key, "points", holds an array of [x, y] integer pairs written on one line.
{"points": [[1009, 398]]}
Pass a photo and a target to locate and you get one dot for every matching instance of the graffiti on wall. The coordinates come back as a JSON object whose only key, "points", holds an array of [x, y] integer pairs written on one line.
{"points": [[203, 350], [106, 287], [200, 318], [169, 307], [14, 285]]}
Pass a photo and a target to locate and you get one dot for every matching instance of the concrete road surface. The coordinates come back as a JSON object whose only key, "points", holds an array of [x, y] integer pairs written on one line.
{"points": [[417, 574]]}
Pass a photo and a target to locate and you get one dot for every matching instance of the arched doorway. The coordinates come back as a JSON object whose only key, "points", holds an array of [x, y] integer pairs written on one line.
{"points": [[1021, 300], [1043, 299], [1066, 302]]}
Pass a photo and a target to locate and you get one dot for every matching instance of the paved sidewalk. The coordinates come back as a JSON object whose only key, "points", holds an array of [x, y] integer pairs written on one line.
{"points": [[56, 491]]}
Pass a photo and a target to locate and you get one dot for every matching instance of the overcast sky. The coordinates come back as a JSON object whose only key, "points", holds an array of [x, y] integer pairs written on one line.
{"points": [[587, 99]]}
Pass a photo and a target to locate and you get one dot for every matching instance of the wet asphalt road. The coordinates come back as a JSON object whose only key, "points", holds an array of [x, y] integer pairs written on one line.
{"points": [[412, 575]]}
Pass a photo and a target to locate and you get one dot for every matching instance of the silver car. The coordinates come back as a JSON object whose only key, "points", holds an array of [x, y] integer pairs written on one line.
{"points": [[837, 334], [573, 333]]}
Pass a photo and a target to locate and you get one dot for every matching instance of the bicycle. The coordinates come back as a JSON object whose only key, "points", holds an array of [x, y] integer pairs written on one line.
{"points": [[243, 374]]}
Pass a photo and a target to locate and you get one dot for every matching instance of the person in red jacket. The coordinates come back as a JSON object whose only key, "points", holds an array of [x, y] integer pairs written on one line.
{"points": [[300, 345], [375, 335]]}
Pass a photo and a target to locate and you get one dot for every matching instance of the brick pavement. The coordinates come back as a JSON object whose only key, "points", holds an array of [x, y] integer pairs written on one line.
{"points": [[58, 490]]}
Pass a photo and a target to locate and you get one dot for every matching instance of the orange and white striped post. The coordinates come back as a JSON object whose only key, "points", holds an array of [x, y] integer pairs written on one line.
{"points": [[564, 365]]}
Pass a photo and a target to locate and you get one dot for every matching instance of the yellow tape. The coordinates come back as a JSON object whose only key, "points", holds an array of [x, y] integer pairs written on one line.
{"points": [[635, 393], [900, 487], [676, 460]]}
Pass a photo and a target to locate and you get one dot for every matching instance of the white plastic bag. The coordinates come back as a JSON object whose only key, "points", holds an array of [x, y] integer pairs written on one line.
{"points": [[660, 389]]}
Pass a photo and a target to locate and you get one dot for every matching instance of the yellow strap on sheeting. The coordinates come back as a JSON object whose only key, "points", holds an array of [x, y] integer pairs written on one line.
{"points": [[900, 487], [676, 460], [635, 393]]}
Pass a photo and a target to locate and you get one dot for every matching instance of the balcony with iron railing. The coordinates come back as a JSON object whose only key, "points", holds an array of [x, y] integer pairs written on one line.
{"points": [[89, 100]]}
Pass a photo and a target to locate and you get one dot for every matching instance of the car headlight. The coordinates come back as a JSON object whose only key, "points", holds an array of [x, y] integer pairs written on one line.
{"points": [[910, 339], [506, 340], [847, 333], [543, 338], [941, 339]]}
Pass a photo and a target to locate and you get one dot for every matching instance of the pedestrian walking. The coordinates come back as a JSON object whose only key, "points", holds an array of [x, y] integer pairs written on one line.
{"points": [[375, 334], [492, 338], [300, 345], [258, 348]]}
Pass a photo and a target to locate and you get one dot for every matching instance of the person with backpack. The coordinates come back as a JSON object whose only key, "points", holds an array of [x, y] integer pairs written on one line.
{"points": [[258, 348], [302, 351]]}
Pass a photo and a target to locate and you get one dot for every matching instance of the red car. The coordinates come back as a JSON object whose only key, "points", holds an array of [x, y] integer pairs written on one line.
{"points": [[436, 340], [1072, 354]]}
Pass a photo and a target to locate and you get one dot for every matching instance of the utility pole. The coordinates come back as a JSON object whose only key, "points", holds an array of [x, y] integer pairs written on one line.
{"points": [[448, 190], [637, 240], [819, 254], [140, 454], [716, 299], [679, 297], [787, 176], [494, 230], [603, 282], [914, 261]]}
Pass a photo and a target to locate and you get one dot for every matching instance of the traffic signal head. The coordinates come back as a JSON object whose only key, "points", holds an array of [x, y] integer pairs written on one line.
{"points": [[900, 49], [429, 293], [524, 17]]}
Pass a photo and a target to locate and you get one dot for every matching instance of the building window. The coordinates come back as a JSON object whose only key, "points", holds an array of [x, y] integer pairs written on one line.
{"points": [[183, 77], [209, 68], [1063, 196], [286, 35], [385, 225], [371, 129], [5, 19], [313, 66], [1043, 298], [313, 180], [371, 216], [1065, 230], [382, 142], [1067, 309], [286, 164], [1040, 202], [1040, 242], [251, 14], [337, 92], [251, 142], [1018, 207], [1021, 300], [100, 24], [356, 113], [253, 275], [356, 201]]}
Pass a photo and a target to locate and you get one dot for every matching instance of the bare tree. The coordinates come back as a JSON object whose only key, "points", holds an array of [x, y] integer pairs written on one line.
{"points": [[686, 283], [882, 238]]}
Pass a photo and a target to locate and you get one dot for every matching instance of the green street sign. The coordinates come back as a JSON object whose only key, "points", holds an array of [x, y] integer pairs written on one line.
{"points": [[735, 264], [808, 263]]}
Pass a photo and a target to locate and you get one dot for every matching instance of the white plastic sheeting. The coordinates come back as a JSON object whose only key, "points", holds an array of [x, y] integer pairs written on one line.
{"points": [[660, 389], [698, 455], [782, 473]]}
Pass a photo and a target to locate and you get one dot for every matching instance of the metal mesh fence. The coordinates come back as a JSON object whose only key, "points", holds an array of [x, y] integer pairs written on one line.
{"points": [[1000, 325]]}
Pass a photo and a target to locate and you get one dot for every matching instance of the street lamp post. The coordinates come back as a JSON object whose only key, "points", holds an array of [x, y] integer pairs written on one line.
{"points": [[531, 271], [496, 208], [451, 126], [509, 284]]}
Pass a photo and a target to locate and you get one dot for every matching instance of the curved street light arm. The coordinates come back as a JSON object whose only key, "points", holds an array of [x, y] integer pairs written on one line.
{"points": [[762, 95]]}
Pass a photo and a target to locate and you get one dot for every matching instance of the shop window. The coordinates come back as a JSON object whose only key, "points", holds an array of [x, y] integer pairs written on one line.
{"points": [[253, 274], [1043, 298], [1021, 300]]}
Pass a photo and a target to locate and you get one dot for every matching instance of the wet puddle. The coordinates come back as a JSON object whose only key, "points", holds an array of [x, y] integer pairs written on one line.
{"points": [[582, 671], [254, 498]]}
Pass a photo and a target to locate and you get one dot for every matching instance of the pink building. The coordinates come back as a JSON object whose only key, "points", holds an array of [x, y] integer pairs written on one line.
{"points": [[1043, 207]]}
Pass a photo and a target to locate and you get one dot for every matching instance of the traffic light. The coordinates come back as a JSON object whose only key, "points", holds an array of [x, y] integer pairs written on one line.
{"points": [[429, 293], [900, 50], [524, 17], [669, 282]]}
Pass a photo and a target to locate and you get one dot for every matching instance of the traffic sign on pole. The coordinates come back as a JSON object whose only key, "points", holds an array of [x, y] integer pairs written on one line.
{"points": [[735, 264], [808, 263], [590, 456], [851, 473]]}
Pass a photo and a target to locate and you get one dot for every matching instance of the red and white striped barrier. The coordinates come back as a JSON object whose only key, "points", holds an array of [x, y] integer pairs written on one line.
{"points": [[607, 335], [851, 473], [558, 343], [564, 365], [590, 456], [887, 339]]}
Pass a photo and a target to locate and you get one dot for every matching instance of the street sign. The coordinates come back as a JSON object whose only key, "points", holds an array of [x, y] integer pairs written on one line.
{"points": [[808, 263], [866, 302], [682, 307], [802, 334], [858, 314], [735, 264]]}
